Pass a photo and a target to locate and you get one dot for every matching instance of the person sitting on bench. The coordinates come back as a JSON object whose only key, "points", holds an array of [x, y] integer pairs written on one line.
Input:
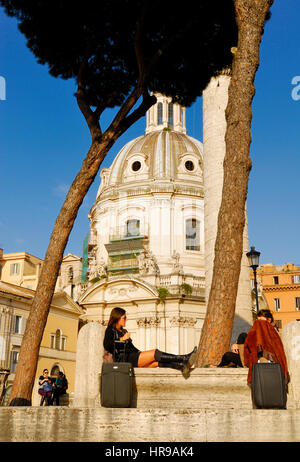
{"points": [[116, 331]]}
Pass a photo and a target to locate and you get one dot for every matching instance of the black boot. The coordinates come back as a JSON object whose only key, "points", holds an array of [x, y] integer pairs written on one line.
{"points": [[181, 362], [42, 400], [178, 366], [163, 357]]}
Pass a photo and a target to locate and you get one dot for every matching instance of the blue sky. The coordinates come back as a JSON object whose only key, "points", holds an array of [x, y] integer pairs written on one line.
{"points": [[44, 139]]}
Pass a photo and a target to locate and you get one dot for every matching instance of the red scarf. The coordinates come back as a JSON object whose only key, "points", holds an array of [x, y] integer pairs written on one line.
{"points": [[263, 337]]}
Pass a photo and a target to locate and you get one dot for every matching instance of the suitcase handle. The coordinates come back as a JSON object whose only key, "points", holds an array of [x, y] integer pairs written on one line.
{"points": [[119, 353]]}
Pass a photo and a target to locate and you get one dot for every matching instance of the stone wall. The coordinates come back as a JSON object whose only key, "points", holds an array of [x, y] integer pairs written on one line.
{"points": [[62, 424]]}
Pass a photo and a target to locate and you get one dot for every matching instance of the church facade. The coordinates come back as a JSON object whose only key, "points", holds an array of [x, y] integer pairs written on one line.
{"points": [[146, 250]]}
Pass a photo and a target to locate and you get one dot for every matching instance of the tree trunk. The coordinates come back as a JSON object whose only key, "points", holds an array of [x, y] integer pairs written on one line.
{"points": [[29, 352], [27, 363], [218, 323]]}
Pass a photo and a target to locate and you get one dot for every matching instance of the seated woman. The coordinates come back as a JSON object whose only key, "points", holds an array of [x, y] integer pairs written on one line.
{"points": [[116, 331], [264, 343]]}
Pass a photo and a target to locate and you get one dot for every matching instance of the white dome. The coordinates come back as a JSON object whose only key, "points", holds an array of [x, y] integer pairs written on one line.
{"points": [[159, 155], [164, 153]]}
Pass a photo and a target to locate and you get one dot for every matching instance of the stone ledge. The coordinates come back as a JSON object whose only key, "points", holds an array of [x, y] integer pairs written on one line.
{"points": [[205, 388], [62, 424]]}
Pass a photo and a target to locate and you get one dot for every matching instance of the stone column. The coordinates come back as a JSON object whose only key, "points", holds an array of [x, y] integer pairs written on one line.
{"points": [[6, 314], [215, 98], [290, 337], [89, 355]]}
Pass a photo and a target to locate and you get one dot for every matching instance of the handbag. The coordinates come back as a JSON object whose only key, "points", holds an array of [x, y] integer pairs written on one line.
{"points": [[47, 387], [118, 354]]}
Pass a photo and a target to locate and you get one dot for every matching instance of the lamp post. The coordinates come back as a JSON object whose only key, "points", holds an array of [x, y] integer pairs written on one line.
{"points": [[253, 257]]}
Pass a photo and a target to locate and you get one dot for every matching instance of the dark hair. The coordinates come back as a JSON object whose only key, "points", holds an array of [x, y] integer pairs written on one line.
{"points": [[115, 315], [266, 313], [46, 370], [241, 338]]}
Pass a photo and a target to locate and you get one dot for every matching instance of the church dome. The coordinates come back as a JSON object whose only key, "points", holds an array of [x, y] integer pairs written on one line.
{"points": [[164, 153]]}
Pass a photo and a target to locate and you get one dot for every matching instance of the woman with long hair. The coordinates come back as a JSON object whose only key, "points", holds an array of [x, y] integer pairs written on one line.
{"points": [[116, 331]]}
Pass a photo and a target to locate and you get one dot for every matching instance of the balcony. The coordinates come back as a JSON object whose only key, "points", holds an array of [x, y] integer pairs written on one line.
{"points": [[127, 240], [128, 232], [123, 265]]}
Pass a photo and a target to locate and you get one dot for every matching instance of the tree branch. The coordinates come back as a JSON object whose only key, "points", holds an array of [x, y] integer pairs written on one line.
{"points": [[92, 118], [138, 43], [147, 102]]}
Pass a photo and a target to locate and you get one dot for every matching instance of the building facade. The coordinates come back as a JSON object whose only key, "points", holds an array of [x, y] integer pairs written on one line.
{"points": [[280, 286], [146, 251], [58, 346], [20, 268]]}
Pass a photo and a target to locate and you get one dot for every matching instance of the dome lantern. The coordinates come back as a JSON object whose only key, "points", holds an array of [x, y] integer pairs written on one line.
{"points": [[165, 114]]}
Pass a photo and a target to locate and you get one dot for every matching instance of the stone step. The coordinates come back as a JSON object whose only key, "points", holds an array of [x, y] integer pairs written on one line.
{"points": [[205, 388], [63, 424]]}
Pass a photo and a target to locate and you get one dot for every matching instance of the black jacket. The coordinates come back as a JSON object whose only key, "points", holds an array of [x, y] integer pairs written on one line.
{"points": [[112, 334]]}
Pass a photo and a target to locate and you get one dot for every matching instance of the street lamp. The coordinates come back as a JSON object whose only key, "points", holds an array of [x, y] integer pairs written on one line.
{"points": [[253, 257]]}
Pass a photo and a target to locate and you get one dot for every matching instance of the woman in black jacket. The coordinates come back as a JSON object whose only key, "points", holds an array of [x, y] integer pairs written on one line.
{"points": [[116, 331]]}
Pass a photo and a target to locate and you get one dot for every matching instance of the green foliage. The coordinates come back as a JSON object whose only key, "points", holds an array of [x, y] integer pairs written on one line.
{"points": [[186, 289], [163, 293], [113, 45]]}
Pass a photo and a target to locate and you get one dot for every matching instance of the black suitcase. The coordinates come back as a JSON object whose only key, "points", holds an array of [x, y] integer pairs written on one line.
{"points": [[268, 386], [117, 379], [116, 385]]}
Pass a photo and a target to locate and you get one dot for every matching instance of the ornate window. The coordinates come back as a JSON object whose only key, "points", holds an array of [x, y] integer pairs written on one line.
{"points": [[170, 114], [192, 234], [57, 340], [132, 227], [159, 114]]}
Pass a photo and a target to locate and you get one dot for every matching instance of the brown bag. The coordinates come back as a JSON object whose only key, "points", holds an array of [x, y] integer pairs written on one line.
{"points": [[107, 357]]}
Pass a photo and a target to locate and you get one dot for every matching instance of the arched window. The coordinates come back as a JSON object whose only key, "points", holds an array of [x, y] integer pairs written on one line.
{"points": [[54, 370], [133, 227], [170, 114], [192, 234], [159, 114]]}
